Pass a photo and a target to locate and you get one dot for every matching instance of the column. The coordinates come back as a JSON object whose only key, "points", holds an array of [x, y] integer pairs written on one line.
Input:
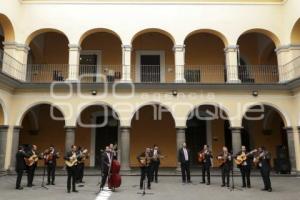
{"points": [[15, 145], [179, 51], [180, 139], [236, 139], [126, 63], [9, 49], [3, 141], [74, 56], [290, 132], [70, 137], [22, 56], [231, 54], [125, 148]]}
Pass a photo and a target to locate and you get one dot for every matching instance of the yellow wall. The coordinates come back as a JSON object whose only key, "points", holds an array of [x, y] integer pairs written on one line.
{"points": [[146, 132], [1, 116], [158, 42], [49, 132], [296, 33]]}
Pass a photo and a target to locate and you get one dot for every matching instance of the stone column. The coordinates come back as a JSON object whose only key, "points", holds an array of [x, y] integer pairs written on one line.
{"points": [[290, 132], [179, 51], [180, 139], [74, 56], [236, 139], [3, 141], [125, 148], [15, 145], [231, 54], [126, 63], [22, 55], [70, 137]]}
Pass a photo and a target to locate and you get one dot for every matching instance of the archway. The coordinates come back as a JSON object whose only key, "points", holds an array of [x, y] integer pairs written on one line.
{"points": [[153, 57], [2, 116], [265, 126], [43, 126], [295, 35], [204, 57], [101, 54], [48, 56], [207, 124], [97, 127], [258, 59], [153, 124]]}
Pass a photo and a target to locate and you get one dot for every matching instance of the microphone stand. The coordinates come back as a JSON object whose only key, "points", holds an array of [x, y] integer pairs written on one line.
{"points": [[43, 180]]}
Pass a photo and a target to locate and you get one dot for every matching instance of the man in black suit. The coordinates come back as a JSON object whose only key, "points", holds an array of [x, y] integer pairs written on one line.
{"points": [[106, 164], [145, 160], [245, 167], [184, 157], [81, 165], [206, 163], [71, 169], [226, 166], [50, 160], [155, 164], [264, 164], [20, 166], [31, 169]]}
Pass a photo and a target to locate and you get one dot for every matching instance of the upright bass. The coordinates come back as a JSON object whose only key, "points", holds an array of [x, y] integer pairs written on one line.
{"points": [[114, 178]]}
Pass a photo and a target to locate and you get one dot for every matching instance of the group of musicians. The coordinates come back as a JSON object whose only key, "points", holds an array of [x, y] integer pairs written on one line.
{"points": [[26, 159]]}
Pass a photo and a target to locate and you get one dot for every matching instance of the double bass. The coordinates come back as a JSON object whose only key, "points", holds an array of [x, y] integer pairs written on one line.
{"points": [[114, 178]]}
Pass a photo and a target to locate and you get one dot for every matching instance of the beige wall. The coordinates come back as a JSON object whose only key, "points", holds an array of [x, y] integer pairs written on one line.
{"points": [[1, 116]]}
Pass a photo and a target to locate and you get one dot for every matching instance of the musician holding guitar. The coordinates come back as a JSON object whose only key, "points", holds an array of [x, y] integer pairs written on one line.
{"points": [[106, 163], [71, 164], [31, 163], [145, 160], [263, 159], [225, 159], [155, 163], [82, 155], [244, 161], [204, 157], [50, 157], [20, 166]]}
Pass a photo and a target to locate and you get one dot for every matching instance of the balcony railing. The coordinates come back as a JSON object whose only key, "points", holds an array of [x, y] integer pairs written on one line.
{"points": [[45, 73], [205, 73], [258, 73], [100, 73]]}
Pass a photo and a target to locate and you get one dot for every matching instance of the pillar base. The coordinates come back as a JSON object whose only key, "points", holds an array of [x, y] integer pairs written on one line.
{"points": [[234, 81], [180, 81], [126, 81]]}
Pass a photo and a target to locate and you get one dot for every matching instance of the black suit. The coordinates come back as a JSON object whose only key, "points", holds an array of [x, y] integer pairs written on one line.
{"points": [[145, 170], [226, 167], [185, 165], [51, 167], [31, 169], [265, 169], [105, 165], [20, 167], [245, 169], [206, 164], [155, 167], [71, 173]]}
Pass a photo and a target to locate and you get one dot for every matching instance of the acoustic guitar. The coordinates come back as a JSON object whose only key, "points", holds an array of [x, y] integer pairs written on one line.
{"points": [[243, 157], [31, 160], [72, 161]]}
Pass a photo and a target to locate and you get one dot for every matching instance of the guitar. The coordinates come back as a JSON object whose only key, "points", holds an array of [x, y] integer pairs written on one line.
{"points": [[201, 156], [72, 161], [223, 159], [243, 157], [83, 155], [145, 161], [31, 160]]}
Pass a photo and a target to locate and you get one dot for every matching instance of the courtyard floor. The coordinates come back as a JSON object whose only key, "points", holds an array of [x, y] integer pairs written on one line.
{"points": [[169, 187]]}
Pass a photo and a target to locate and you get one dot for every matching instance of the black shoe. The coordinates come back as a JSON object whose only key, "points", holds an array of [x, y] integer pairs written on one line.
{"points": [[52, 183], [270, 190], [243, 186], [228, 185], [156, 181], [149, 187], [223, 185], [203, 182], [248, 186], [29, 185], [141, 188], [69, 191], [74, 190], [19, 188], [264, 189], [189, 182], [48, 183], [208, 183]]}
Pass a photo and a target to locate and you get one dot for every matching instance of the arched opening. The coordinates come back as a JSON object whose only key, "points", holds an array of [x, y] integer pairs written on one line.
{"points": [[48, 56], [43, 126], [264, 126], [295, 35], [2, 116], [258, 59], [97, 127], [101, 55], [153, 124], [207, 124], [6, 35], [153, 57], [204, 58]]}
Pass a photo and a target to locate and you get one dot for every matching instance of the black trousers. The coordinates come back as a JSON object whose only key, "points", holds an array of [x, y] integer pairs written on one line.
{"points": [[225, 175], [205, 170], [185, 171], [154, 171], [71, 178], [19, 178], [104, 177], [30, 174], [80, 172], [265, 174], [51, 173], [145, 171], [246, 171]]}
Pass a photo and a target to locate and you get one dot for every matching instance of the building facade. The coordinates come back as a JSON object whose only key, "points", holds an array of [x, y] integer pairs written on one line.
{"points": [[142, 73]]}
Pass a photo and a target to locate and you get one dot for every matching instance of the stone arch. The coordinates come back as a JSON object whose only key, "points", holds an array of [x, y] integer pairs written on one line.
{"points": [[9, 33]]}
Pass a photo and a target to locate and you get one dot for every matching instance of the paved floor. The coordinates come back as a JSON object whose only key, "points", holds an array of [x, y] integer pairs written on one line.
{"points": [[167, 188]]}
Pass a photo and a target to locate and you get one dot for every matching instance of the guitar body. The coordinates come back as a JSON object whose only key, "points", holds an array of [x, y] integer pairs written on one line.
{"points": [[71, 163], [201, 157], [31, 160]]}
